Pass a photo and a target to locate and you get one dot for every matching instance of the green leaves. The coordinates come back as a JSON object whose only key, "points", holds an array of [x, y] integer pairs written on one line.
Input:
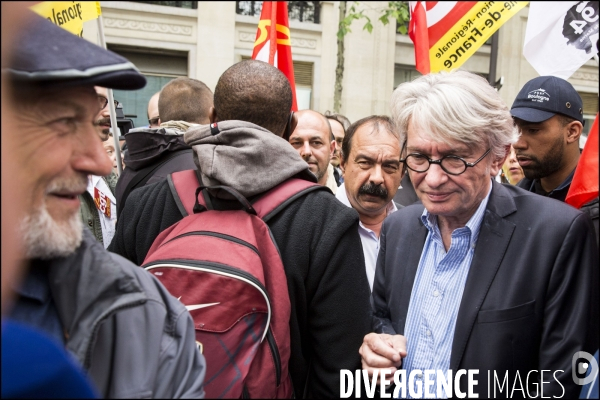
{"points": [[395, 10]]}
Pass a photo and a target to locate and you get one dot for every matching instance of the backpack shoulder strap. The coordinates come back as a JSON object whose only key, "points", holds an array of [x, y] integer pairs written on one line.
{"points": [[140, 178], [183, 185], [282, 195]]}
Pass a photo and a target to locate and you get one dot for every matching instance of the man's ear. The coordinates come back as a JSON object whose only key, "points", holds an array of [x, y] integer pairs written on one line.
{"points": [[290, 126], [331, 148], [342, 163], [212, 115], [497, 163], [574, 130]]}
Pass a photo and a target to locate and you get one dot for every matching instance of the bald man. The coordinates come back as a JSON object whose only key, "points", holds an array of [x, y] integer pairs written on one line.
{"points": [[153, 116], [314, 141]]}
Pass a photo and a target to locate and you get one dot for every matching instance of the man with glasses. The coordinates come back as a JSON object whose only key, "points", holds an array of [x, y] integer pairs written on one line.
{"points": [[480, 276]]}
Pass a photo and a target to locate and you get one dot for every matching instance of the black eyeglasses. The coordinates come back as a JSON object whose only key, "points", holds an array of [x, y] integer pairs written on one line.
{"points": [[452, 165], [103, 101], [153, 121]]}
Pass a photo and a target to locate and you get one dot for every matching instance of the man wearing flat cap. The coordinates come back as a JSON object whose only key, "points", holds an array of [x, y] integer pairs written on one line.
{"points": [[130, 335], [549, 113]]}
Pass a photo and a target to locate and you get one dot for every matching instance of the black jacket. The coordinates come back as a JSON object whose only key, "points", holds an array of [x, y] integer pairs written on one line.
{"points": [[322, 254], [590, 208], [151, 147], [527, 300]]}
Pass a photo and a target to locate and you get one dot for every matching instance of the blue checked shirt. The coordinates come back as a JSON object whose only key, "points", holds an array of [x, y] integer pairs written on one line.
{"points": [[436, 296]]}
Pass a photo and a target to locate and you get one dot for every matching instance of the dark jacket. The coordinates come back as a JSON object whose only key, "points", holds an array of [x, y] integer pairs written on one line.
{"points": [[590, 208], [328, 287], [134, 339], [151, 147], [526, 302]]}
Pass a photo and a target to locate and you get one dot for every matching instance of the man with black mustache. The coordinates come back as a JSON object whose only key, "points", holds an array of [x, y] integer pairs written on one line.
{"points": [[370, 160]]}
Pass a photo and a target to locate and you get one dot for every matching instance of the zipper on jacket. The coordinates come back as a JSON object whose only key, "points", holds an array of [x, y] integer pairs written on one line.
{"points": [[215, 234], [275, 353]]}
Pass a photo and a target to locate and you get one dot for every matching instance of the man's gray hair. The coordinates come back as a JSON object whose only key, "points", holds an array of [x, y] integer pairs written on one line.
{"points": [[454, 106]]}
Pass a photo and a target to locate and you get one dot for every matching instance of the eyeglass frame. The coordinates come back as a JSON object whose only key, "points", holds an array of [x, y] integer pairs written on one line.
{"points": [[106, 101], [439, 161], [153, 119]]}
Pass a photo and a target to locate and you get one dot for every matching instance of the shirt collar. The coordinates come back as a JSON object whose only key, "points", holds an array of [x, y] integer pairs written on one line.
{"points": [[35, 283], [473, 224], [536, 184]]}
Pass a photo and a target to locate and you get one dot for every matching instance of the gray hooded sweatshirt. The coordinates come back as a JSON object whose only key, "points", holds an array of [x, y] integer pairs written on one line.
{"points": [[244, 156]]}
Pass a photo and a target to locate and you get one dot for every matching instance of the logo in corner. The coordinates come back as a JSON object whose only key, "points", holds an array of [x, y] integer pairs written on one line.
{"points": [[539, 95]]}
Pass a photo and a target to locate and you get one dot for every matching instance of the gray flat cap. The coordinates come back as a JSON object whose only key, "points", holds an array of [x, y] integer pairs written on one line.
{"points": [[47, 55]]}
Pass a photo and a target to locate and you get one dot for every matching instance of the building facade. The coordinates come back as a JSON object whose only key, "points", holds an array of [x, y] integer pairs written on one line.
{"points": [[202, 42]]}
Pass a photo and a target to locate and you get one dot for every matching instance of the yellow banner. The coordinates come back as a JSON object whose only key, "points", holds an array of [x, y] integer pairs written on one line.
{"points": [[69, 15], [470, 32]]}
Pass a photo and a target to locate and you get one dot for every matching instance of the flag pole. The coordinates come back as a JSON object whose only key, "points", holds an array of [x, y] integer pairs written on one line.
{"points": [[111, 104]]}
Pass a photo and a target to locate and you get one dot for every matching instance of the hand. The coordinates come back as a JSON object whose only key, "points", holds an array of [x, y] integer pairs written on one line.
{"points": [[382, 351]]}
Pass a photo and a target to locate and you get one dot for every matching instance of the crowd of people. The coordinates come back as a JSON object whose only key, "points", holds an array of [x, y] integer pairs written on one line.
{"points": [[439, 241]]}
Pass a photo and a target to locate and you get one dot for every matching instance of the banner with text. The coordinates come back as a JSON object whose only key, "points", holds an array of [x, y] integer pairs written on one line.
{"points": [[69, 15], [446, 34], [561, 36]]}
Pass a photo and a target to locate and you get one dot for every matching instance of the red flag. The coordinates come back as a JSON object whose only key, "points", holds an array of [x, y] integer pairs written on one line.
{"points": [[447, 33], [584, 186], [273, 41]]}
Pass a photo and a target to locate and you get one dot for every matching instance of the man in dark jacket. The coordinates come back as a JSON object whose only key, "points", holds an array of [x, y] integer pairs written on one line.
{"points": [[317, 236], [154, 153], [130, 335], [549, 113], [479, 276]]}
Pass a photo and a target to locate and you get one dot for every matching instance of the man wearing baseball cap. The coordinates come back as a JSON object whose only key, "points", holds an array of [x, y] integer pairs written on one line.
{"points": [[549, 114], [131, 336]]}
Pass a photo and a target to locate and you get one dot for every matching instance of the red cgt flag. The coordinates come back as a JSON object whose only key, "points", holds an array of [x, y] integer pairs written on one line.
{"points": [[273, 42], [584, 186]]}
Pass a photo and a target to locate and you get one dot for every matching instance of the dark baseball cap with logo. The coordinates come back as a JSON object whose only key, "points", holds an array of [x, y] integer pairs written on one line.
{"points": [[48, 56], [543, 97]]}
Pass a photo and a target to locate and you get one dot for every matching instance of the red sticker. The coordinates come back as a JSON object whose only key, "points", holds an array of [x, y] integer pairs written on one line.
{"points": [[102, 202]]}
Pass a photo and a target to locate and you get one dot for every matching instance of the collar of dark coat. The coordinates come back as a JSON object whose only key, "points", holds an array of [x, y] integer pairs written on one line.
{"points": [[86, 287], [494, 237]]}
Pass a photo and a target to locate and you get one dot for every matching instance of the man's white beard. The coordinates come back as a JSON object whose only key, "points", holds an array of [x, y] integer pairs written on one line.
{"points": [[46, 238]]}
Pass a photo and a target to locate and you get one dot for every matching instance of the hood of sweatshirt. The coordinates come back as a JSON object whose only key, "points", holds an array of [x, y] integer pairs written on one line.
{"points": [[147, 145], [244, 156]]}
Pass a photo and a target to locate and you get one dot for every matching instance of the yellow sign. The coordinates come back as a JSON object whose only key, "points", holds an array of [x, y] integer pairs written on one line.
{"points": [[69, 15], [470, 32]]}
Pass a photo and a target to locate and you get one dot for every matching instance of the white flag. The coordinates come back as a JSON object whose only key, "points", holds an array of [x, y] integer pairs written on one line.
{"points": [[561, 36]]}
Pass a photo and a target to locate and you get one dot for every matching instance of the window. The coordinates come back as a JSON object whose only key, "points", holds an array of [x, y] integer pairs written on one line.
{"points": [[159, 68], [180, 4], [303, 11]]}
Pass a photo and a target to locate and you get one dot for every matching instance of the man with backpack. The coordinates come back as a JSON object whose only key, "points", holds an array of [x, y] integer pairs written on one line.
{"points": [[317, 236]]}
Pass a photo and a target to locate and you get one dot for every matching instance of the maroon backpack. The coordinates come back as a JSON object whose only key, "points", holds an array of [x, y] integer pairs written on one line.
{"points": [[226, 268]]}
